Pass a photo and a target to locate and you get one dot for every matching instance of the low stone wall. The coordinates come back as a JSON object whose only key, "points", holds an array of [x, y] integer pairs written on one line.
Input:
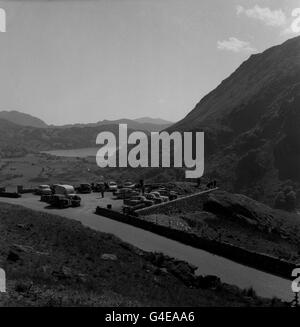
{"points": [[259, 261], [183, 204]]}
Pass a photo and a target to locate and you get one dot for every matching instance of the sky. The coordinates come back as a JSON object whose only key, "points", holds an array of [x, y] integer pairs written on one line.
{"points": [[68, 61]]}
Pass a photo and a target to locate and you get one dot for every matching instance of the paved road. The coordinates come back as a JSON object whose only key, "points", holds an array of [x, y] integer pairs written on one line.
{"points": [[230, 272]]}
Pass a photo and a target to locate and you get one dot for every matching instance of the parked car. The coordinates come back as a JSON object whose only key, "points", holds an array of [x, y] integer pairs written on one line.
{"points": [[46, 198], [53, 186], [128, 184], [133, 201], [75, 200], [125, 193], [64, 189], [85, 188], [170, 194], [60, 201], [152, 197], [98, 187], [112, 186], [43, 190], [157, 195]]}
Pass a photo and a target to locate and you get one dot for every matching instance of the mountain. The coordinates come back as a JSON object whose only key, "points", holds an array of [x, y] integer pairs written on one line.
{"points": [[156, 121], [16, 140], [22, 119], [131, 124], [251, 123], [137, 125], [142, 124]]}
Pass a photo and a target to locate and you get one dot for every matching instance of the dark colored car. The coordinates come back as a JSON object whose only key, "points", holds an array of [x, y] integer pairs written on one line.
{"points": [[98, 187], [75, 200], [125, 193], [84, 188], [46, 198], [60, 201]]}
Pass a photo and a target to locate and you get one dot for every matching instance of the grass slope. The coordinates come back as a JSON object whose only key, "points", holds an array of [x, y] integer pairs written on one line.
{"points": [[52, 261]]}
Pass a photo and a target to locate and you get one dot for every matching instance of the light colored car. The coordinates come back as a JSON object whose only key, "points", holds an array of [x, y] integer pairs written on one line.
{"points": [[64, 189], [133, 201], [170, 194], [128, 184], [154, 198], [112, 186], [43, 190], [163, 198]]}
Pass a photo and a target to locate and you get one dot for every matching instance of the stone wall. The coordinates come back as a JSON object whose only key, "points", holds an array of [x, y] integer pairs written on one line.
{"points": [[259, 261], [184, 204]]}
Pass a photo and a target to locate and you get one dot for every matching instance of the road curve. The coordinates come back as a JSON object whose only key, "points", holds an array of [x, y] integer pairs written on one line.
{"points": [[265, 284]]}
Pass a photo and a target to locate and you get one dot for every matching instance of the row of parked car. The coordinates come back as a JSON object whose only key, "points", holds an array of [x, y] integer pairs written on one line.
{"points": [[64, 196], [60, 196], [150, 198]]}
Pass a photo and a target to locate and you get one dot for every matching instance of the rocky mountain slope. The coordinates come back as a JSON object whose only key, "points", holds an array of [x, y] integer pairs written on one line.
{"points": [[251, 123]]}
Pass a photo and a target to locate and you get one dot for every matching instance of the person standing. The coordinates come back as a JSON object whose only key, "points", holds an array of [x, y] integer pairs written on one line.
{"points": [[102, 189]]}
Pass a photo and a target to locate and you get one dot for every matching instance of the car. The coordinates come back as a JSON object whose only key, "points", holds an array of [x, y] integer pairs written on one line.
{"points": [[125, 193], [43, 190], [60, 201], [64, 189], [157, 195], [52, 187], [112, 186], [84, 188], [98, 187], [128, 184], [46, 198], [154, 198], [133, 201], [170, 194], [75, 200]]}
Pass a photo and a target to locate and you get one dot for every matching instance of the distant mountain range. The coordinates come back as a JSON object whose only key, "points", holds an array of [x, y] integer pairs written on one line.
{"points": [[145, 123], [252, 124], [22, 119], [16, 140], [22, 133]]}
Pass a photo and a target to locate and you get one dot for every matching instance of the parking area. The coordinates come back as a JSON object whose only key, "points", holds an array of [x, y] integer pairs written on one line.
{"points": [[89, 202]]}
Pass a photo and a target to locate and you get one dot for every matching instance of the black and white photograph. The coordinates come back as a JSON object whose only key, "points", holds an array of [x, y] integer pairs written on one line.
{"points": [[150, 156]]}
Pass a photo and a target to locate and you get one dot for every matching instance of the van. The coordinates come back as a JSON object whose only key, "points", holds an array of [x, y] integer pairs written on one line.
{"points": [[64, 189]]}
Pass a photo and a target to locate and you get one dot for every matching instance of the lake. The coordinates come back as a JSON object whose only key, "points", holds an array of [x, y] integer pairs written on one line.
{"points": [[73, 153]]}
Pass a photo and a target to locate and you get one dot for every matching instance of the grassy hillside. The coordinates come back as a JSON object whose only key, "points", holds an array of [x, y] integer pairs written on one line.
{"points": [[52, 261]]}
